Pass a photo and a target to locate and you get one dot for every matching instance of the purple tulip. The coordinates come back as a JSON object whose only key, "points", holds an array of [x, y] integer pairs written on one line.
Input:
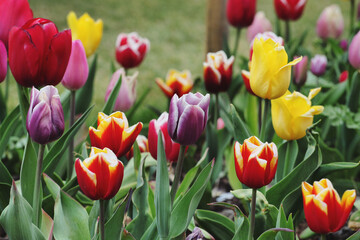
{"points": [[354, 51], [127, 92], [318, 65], [3, 62], [344, 45], [196, 235], [187, 117], [77, 70], [45, 118], [330, 23], [300, 71], [260, 24]]}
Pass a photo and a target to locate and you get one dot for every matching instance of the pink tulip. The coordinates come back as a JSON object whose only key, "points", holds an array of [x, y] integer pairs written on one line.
{"points": [[300, 71], [330, 23], [3, 61], [354, 51], [318, 65], [260, 24]]}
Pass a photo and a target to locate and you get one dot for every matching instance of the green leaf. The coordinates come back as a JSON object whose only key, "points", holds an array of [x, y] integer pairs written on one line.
{"points": [[333, 95], [23, 94], [282, 222], [287, 157], [251, 113], [307, 233], [47, 225], [352, 100], [137, 156], [241, 131], [271, 233], [326, 169], [5, 195], [216, 224], [138, 103], [150, 232], [7, 128]]}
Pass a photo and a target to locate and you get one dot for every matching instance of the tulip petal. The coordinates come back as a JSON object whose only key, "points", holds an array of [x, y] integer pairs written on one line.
{"points": [[128, 138], [256, 166], [40, 124], [165, 88], [191, 125], [173, 117], [313, 93], [153, 137], [86, 179]]}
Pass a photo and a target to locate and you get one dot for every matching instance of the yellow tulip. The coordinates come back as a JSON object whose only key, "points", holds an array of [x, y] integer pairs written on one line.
{"points": [[292, 114], [87, 30], [270, 71]]}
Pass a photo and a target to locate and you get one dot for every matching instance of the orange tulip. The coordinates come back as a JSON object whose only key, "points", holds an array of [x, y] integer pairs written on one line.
{"points": [[324, 211], [255, 162], [176, 82], [114, 132], [100, 176]]}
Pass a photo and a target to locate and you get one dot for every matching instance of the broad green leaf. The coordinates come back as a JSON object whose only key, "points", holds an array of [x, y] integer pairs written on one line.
{"points": [[230, 166], [271, 233], [251, 113], [288, 152], [7, 128], [138, 103], [216, 224], [93, 218], [151, 232], [241, 132], [137, 156], [332, 96], [110, 103], [282, 222], [223, 138], [47, 225], [23, 94], [355, 236], [307, 233], [326, 169]]}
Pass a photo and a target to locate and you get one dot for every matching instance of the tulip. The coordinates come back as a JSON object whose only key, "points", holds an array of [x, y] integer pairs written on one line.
{"points": [[270, 71], [246, 78], [127, 93], [196, 235], [300, 72], [3, 62], [77, 70], [86, 30], [255, 162], [100, 175], [14, 13], [143, 144], [187, 117], [292, 114], [265, 36], [38, 53], [289, 10], [324, 210], [131, 49], [330, 23], [220, 124], [45, 118], [343, 76], [344, 45], [318, 65], [176, 82], [354, 51], [218, 72], [240, 13], [260, 25], [171, 148], [114, 132]]}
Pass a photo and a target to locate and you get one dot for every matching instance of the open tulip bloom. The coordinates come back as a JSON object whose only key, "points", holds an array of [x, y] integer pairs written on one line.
{"points": [[176, 82]]}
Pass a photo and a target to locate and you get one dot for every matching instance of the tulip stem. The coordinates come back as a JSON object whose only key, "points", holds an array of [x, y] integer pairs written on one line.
{"points": [[263, 120], [102, 219], [216, 109], [252, 217], [36, 196], [71, 144], [237, 39], [323, 237], [287, 31], [259, 113], [178, 171]]}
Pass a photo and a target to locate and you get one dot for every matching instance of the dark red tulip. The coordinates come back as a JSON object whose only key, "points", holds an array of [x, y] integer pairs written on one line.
{"points": [[240, 13], [289, 9], [38, 53]]}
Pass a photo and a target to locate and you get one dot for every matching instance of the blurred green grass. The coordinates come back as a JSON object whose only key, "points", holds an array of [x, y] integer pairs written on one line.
{"points": [[176, 30]]}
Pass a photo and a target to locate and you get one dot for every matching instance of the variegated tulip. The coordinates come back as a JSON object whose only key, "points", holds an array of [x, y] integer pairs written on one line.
{"points": [[176, 82]]}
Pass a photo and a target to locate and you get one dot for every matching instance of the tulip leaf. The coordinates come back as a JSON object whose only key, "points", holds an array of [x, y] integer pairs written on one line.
{"points": [[282, 223], [352, 100], [7, 128], [185, 207], [84, 95], [109, 105], [241, 131], [326, 169], [307, 233], [271, 233], [150, 232], [5, 195], [16, 219], [138, 103], [58, 149], [332, 96], [137, 156], [288, 153], [355, 236], [47, 225], [24, 104], [70, 218], [251, 114], [162, 193]]}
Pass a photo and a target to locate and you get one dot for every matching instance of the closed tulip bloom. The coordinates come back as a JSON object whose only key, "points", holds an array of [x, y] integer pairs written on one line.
{"points": [[114, 132], [344, 45], [289, 9], [45, 118], [270, 71], [318, 65], [260, 24], [187, 117], [300, 72], [354, 51], [330, 23], [3, 62], [100, 175], [77, 70], [240, 13], [292, 114], [171, 148], [176, 82], [143, 144], [127, 93], [86, 30], [324, 211], [255, 162], [265, 36], [131, 49], [14, 13], [343, 76], [218, 72], [38, 53]]}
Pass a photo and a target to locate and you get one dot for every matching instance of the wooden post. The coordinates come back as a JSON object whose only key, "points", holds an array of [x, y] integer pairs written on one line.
{"points": [[216, 25]]}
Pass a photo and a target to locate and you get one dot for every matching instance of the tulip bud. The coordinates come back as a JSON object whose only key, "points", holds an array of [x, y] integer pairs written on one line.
{"points": [[131, 49], [343, 76], [324, 211], [240, 13], [217, 72], [176, 82], [100, 175], [330, 23], [255, 162], [344, 45], [3, 62], [289, 9], [260, 24], [265, 36], [45, 118], [171, 148], [354, 51], [196, 235], [143, 144], [187, 117], [220, 124], [127, 93], [77, 70], [318, 65], [300, 71]]}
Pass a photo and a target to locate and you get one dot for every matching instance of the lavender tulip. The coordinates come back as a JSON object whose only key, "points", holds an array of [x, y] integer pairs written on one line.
{"points": [[354, 51], [45, 118], [187, 117], [3, 62], [318, 65], [300, 71]]}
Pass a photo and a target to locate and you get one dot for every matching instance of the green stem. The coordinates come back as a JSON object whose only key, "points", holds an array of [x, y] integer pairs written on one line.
{"points": [[216, 109], [7, 83], [102, 219], [323, 237], [178, 171], [252, 217], [287, 156], [263, 121], [277, 26], [237, 40], [260, 113], [37, 192], [287, 32], [352, 14], [71, 144]]}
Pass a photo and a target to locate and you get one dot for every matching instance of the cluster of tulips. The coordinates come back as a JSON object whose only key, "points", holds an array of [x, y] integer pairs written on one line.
{"points": [[40, 57]]}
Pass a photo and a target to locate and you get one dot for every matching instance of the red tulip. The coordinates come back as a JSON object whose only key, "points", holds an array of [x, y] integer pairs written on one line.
{"points": [[38, 53], [3, 62], [143, 144], [240, 13], [343, 76], [289, 9]]}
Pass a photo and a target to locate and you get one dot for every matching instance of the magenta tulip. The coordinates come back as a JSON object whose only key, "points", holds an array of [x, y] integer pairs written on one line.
{"points": [[318, 65], [300, 71], [354, 51], [3, 62]]}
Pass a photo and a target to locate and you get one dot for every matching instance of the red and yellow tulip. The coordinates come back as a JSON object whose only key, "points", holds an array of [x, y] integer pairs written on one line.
{"points": [[176, 82]]}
